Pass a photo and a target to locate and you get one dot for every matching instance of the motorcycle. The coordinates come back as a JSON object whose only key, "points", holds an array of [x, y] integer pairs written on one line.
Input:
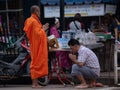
{"points": [[20, 65]]}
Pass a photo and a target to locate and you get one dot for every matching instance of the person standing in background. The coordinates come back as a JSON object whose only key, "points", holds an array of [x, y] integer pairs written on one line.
{"points": [[111, 25], [14, 28], [117, 19], [76, 24], [35, 32]]}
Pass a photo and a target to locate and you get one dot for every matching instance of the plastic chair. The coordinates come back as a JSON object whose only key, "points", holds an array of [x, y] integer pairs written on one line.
{"points": [[116, 66]]}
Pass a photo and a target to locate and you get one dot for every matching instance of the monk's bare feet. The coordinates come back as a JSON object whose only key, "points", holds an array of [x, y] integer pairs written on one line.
{"points": [[37, 86]]}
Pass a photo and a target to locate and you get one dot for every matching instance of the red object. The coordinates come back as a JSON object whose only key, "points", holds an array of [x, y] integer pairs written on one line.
{"points": [[56, 63], [99, 85]]}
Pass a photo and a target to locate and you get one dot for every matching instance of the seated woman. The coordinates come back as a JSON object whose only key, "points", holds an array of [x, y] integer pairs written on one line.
{"points": [[65, 62]]}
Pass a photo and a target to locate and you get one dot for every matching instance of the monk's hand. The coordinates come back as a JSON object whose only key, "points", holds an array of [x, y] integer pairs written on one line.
{"points": [[46, 26], [72, 57]]}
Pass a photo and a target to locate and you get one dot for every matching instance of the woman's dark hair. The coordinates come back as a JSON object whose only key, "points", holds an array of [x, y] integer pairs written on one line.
{"points": [[107, 19], [73, 42], [77, 17], [116, 17]]}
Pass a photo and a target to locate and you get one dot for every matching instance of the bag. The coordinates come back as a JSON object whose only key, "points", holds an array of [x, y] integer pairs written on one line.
{"points": [[76, 25]]}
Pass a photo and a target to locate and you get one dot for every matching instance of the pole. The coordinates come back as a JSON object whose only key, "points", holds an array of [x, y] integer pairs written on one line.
{"points": [[7, 16], [62, 19]]}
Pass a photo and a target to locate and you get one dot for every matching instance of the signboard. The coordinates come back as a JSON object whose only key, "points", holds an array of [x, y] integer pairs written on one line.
{"points": [[110, 9], [71, 10], [85, 10], [51, 11]]}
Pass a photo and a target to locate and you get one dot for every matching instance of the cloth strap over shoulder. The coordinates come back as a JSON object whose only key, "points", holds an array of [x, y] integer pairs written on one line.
{"points": [[76, 25]]}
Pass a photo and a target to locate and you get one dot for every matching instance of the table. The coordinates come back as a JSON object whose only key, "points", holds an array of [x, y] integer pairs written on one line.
{"points": [[56, 62], [90, 46], [95, 45], [108, 54], [57, 66], [107, 63]]}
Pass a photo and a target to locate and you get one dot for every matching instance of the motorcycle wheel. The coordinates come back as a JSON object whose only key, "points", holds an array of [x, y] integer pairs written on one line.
{"points": [[28, 67], [42, 81]]}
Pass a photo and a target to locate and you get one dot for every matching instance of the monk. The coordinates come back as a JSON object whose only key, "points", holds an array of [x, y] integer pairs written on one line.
{"points": [[38, 45]]}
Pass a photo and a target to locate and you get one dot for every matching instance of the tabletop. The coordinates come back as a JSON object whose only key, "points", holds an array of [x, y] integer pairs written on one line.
{"points": [[91, 46]]}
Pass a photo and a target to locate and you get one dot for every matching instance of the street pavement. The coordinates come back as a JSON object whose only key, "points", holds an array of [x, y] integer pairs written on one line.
{"points": [[53, 87]]}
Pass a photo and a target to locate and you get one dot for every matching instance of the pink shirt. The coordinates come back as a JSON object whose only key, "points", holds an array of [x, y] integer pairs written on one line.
{"points": [[54, 31]]}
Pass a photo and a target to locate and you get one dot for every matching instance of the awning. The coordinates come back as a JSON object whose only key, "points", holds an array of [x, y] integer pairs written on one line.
{"points": [[110, 1], [54, 2], [69, 1], [50, 2], [4, 0], [79, 1]]}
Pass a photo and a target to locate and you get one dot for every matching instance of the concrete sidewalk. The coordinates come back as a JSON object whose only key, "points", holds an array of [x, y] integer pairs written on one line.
{"points": [[54, 87]]}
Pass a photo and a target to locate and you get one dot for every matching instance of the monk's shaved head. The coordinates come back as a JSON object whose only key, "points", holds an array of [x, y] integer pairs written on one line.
{"points": [[35, 9]]}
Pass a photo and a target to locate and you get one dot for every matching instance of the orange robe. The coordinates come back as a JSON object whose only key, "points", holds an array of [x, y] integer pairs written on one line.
{"points": [[38, 47]]}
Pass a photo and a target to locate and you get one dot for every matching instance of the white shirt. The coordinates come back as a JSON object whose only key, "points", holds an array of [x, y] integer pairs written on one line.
{"points": [[73, 26], [89, 58]]}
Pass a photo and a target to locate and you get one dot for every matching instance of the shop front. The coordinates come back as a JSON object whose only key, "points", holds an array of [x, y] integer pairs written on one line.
{"points": [[11, 21], [90, 10], [14, 12]]}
